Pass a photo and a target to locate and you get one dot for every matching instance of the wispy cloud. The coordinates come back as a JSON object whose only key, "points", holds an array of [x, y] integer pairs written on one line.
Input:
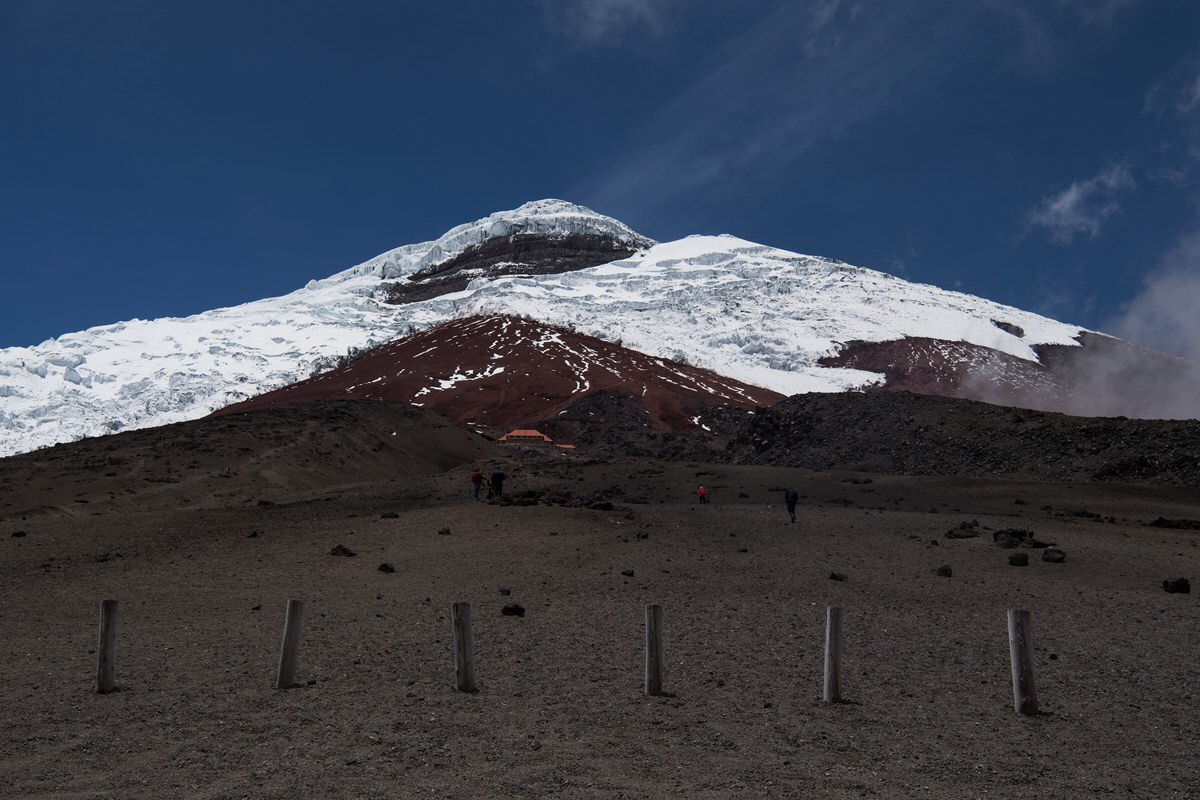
{"points": [[606, 22], [1045, 29], [1082, 207], [1163, 314], [804, 74]]}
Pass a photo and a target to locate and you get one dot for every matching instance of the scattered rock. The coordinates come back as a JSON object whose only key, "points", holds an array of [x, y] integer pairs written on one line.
{"points": [[342, 550], [1053, 555], [256, 608], [1016, 537], [743, 495], [443, 531], [944, 571], [505, 592], [252, 535], [389, 515], [19, 534], [837, 576], [513, 610], [1177, 586], [1018, 560], [600, 505], [387, 568], [103, 557], [1177, 524], [265, 503], [628, 573], [965, 530]]}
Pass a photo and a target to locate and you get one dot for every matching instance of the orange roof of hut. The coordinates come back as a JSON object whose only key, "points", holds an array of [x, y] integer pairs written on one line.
{"points": [[525, 436]]}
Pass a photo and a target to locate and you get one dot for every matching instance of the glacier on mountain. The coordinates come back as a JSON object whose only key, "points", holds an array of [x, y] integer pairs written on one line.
{"points": [[756, 313]]}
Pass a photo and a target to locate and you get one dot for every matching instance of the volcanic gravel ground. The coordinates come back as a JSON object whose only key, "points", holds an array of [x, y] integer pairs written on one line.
{"points": [[560, 712]]}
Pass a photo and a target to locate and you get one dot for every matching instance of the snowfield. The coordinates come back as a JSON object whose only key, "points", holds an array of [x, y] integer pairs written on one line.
{"points": [[755, 313]]}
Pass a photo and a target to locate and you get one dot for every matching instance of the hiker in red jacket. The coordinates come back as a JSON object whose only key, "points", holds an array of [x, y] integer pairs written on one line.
{"points": [[702, 493], [478, 481]]}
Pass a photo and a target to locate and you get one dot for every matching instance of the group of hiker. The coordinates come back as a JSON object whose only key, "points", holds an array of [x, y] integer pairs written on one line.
{"points": [[495, 486], [790, 497]]}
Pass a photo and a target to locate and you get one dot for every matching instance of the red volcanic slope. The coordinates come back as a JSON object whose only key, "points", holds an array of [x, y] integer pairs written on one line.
{"points": [[505, 371], [957, 369]]}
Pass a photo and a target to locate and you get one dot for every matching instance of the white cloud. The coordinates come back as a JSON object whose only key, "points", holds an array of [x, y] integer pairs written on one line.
{"points": [[600, 22], [1164, 314], [1082, 207]]}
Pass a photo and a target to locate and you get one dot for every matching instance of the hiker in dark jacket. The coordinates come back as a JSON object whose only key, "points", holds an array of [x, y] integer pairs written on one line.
{"points": [[790, 497], [498, 483]]}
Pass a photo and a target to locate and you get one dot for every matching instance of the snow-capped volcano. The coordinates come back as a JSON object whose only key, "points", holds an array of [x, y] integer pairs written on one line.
{"points": [[758, 314]]}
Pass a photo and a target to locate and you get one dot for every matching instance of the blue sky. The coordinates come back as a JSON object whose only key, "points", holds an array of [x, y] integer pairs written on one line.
{"points": [[166, 158]]}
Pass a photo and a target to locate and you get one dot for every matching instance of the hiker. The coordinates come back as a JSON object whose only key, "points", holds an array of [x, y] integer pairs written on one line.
{"points": [[702, 493], [497, 487], [790, 497], [478, 482]]}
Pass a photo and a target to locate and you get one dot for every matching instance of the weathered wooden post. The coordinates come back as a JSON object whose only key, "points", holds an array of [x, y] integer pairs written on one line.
{"points": [[291, 644], [1020, 653], [464, 648], [654, 650], [106, 663], [833, 654]]}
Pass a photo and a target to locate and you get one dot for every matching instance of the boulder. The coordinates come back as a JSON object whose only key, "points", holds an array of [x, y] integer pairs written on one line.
{"points": [[1177, 586]]}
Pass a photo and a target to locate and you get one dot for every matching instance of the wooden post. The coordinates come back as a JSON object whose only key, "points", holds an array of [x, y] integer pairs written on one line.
{"points": [[833, 655], [654, 650], [464, 648], [106, 666], [291, 644], [1020, 652]]}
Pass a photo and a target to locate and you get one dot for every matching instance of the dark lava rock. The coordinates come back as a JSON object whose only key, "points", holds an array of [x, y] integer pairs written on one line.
{"points": [[1016, 537], [342, 550], [1177, 524], [443, 531], [513, 610], [1018, 560], [837, 576], [1177, 586], [965, 530], [389, 515], [386, 568], [265, 503], [944, 571], [743, 495], [1053, 555], [505, 592], [628, 573], [252, 535], [19, 534], [600, 505]]}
